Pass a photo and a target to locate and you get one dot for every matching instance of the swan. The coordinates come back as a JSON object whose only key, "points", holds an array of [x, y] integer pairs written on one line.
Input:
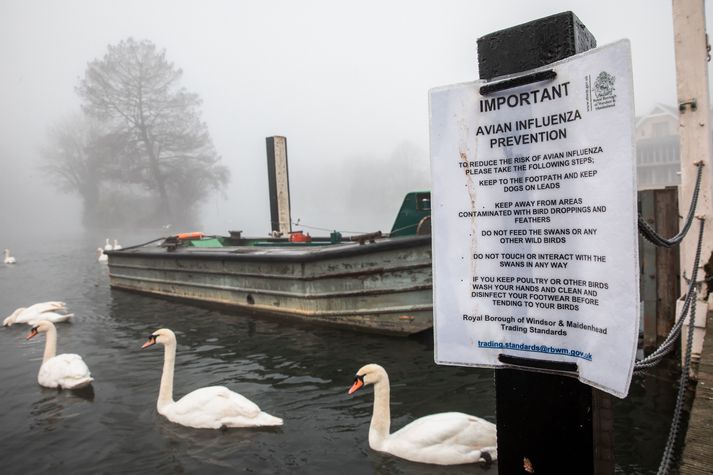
{"points": [[117, 246], [213, 407], [107, 246], [101, 256], [32, 318], [447, 438], [8, 258], [33, 312], [66, 371]]}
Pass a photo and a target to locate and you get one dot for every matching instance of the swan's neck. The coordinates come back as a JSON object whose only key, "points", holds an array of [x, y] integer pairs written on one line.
{"points": [[165, 394], [50, 344], [381, 418]]}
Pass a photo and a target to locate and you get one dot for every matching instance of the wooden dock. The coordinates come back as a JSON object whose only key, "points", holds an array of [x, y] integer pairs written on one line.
{"points": [[697, 458]]}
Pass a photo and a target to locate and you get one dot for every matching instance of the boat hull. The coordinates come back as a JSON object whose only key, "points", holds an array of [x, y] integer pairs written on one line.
{"points": [[383, 287]]}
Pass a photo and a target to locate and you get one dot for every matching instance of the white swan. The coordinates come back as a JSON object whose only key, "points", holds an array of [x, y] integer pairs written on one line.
{"points": [[117, 246], [205, 408], [34, 312], [66, 371], [34, 318], [8, 258], [107, 246], [447, 438], [101, 257]]}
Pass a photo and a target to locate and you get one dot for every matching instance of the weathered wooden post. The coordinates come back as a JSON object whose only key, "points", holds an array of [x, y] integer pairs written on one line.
{"points": [[279, 185], [692, 57], [535, 238]]}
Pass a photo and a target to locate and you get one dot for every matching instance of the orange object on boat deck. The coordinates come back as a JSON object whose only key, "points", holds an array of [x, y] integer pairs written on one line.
{"points": [[299, 236], [194, 235]]}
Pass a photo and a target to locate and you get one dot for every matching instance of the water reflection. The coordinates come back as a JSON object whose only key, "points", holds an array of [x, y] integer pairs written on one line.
{"points": [[56, 405]]}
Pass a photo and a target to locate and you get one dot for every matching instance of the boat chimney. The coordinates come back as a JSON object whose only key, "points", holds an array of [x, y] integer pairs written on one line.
{"points": [[279, 185]]}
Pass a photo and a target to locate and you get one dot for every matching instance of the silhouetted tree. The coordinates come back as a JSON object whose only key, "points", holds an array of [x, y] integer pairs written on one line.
{"points": [[72, 162], [155, 132]]}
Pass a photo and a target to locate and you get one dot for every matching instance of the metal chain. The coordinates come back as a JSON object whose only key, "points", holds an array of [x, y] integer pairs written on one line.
{"points": [[650, 233], [668, 344], [667, 457]]}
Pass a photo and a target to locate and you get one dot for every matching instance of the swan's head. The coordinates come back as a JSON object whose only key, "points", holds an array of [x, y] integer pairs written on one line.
{"points": [[163, 336], [41, 326], [368, 374], [11, 319]]}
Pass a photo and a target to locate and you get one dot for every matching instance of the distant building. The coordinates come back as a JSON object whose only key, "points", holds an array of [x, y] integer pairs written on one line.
{"points": [[658, 162]]}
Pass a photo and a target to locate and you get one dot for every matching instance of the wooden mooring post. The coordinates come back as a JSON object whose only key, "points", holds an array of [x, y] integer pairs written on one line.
{"points": [[546, 423], [658, 266]]}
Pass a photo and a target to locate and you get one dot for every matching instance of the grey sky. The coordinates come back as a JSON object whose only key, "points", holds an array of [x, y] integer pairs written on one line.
{"points": [[344, 81]]}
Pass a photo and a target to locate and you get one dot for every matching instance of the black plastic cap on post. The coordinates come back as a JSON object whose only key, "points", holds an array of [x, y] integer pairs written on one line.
{"points": [[532, 44]]}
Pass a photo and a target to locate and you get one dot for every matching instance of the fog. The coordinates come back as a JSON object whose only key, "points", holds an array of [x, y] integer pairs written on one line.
{"points": [[346, 83]]}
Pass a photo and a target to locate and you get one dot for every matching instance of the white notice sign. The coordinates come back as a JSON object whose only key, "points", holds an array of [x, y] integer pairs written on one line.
{"points": [[535, 245]]}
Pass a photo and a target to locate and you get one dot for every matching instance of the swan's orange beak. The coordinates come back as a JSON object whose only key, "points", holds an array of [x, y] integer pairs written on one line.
{"points": [[358, 383], [150, 341], [32, 334]]}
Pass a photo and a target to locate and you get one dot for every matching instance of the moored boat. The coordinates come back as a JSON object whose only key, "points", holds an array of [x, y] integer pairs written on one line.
{"points": [[374, 282]]}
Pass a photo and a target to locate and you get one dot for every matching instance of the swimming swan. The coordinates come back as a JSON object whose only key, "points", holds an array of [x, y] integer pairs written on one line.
{"points": [[8, 258], [66, 371], [34, 318], [447, 438], [34, 313], [205, 408], [101, 256], [107, 245]]}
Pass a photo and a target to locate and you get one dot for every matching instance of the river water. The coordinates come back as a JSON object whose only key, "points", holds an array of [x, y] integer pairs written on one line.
{"points": [[292, 370]]}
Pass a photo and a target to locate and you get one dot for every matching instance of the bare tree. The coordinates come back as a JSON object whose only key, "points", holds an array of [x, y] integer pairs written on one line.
{"points": [[158, 138], [72, 162]]}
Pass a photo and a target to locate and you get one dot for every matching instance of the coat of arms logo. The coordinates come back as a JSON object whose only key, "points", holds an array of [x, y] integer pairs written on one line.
{"points": [[604, 85]]}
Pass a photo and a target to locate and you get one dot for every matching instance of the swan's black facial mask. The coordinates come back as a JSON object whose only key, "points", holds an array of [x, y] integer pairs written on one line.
{"points": [[151, 341]]}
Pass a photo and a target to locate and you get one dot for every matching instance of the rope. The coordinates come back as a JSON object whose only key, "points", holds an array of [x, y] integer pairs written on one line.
{"points": [[650, 233], [297, 223]]}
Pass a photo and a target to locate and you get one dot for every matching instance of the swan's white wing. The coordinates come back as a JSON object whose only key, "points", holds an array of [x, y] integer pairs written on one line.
{"points": [[46, 307], [66, 371], [445, 438], [213, 407], [50, 316]]}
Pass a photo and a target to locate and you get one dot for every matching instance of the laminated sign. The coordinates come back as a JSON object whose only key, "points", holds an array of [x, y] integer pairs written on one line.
{"points": [[535, 248]]}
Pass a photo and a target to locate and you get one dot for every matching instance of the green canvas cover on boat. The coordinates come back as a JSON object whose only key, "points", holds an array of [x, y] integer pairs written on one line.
{"points": [[414, 209], [210, 242]]}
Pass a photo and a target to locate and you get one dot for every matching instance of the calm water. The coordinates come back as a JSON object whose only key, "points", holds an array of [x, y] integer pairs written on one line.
{"points": [[295, 371]]}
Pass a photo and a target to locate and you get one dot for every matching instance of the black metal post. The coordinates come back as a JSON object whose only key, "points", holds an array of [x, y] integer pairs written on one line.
{"points": [[547, 424]]}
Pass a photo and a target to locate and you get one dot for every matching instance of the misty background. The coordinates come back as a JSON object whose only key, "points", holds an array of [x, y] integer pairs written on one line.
{"points": [[346, 83]]}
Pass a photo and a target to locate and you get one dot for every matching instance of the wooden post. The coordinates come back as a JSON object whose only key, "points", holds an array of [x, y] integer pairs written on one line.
{"points": [[545, 422], [691, 43], [279, 185], [667, 262], [659, 288], [647, 271]]}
